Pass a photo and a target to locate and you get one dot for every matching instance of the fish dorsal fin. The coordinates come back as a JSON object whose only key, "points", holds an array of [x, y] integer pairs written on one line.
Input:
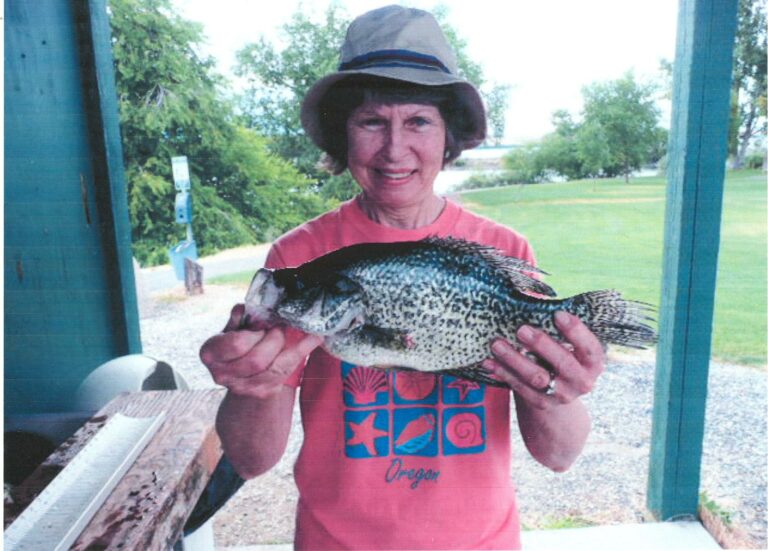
{"points": [[516, 271]]}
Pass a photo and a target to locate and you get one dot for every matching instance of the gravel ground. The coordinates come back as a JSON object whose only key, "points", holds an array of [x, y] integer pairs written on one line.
{"points": [[607, 484]]}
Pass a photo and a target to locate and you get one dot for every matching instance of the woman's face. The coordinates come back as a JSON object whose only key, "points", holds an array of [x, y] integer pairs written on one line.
{"points": [[396, 151]]}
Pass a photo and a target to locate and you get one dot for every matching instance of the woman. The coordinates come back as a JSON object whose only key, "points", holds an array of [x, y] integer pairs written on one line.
{"points": [[401, 460]]}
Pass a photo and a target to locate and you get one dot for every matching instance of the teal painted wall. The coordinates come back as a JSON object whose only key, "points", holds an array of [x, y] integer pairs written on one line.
{"points": [[70, 302]]}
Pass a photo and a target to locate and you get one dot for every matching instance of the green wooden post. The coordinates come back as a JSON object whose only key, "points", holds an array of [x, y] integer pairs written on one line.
{"points": [[70, 297], [697, 156]]}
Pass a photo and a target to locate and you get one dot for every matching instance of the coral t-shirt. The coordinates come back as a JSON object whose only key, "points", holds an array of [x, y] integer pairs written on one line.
{"points": [[395, 459]]}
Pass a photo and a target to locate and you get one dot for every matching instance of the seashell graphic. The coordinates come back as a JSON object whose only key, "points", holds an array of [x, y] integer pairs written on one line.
{"points": [[414, 385], [465, 430], [364, 383], [416, 434]]}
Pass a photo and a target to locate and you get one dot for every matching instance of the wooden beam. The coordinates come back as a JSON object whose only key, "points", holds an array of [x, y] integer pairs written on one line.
{"points": [[151, 503], [697, 156]]}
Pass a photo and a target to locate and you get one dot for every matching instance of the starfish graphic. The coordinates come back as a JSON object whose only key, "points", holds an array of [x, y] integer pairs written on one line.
{"points": [[464, 387], [365, 433]]}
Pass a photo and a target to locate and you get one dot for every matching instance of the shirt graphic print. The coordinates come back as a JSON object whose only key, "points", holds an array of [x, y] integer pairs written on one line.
{"points": [[402, 414]]}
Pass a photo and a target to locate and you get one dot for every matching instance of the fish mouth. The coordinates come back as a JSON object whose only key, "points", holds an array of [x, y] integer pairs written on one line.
{"points": [[262, 296]]}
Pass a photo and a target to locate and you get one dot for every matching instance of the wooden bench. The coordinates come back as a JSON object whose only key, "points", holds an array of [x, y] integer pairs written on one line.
{"points": [[151, 503]]}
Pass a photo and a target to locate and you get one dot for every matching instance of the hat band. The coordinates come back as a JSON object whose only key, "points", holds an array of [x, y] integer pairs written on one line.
{"points": [[394, 58]]}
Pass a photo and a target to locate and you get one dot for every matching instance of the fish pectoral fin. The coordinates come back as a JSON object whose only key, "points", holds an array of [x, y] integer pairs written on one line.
{"points": [[476, 373], [393, 339]]}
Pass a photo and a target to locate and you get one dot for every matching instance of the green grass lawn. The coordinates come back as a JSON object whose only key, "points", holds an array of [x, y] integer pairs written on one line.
{"points": [[605, 233]]}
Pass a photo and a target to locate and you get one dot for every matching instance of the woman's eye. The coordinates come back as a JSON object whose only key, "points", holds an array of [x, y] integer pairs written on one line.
{"points": [[372, 122], [419, 122]]}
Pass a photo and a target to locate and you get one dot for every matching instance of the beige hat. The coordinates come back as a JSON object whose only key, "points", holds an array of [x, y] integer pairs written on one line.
{"points": [[402, 44]]}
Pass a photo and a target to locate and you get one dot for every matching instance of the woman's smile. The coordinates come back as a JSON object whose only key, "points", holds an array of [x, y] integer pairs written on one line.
{"points": [[397, 176]]}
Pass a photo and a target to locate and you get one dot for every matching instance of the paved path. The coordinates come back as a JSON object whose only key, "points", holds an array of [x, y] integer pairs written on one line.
{"points": [[232, 261]]}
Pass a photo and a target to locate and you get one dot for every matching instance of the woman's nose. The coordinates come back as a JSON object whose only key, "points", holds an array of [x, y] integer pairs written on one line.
{"points": [[395, 143]]}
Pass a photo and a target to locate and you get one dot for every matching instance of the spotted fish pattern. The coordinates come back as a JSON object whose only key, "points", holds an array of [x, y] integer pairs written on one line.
{"points": [[432, 305]]}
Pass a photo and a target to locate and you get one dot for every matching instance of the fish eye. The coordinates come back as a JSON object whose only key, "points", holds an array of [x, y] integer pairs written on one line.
{"points": [[344, 285], [289, 280], [296, 282]]}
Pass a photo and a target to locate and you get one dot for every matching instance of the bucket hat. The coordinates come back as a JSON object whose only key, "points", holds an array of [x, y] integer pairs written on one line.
{"points": [[403, 44]]}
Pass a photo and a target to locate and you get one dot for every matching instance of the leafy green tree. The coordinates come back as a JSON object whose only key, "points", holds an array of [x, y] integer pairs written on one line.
{"points": [[522, 165], [623, 113], [171, 104], [498, 98], [617, 134], [748, 88], [277, 80], [561, 151]]}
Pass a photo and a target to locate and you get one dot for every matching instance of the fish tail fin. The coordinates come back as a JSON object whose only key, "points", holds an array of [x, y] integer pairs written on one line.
{"points": [[614, 319]]}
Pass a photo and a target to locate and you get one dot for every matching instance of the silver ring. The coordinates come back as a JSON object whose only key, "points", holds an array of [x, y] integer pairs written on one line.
{"points": [[549, 390]]}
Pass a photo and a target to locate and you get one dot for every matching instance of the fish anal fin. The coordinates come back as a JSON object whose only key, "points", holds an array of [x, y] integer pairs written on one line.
{"points": [[476, 373]]}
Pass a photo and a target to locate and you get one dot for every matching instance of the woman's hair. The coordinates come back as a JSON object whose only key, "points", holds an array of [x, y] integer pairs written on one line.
{"points": [[350, 93]]}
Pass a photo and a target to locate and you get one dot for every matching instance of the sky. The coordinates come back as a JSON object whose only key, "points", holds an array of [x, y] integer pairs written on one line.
{"points": [[546, 50]]}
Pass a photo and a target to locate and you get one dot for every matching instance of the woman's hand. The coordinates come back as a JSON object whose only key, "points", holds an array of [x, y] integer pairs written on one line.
{"points": [[555, 424], [255, 362], [568, 370]]}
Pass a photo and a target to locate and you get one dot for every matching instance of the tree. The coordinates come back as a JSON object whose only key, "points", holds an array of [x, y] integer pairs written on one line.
{"points": [[277, 80], [497, 100], [618, 132], [522, 165], [748, 88], [170, 104], [559, 151], [624, 115]]}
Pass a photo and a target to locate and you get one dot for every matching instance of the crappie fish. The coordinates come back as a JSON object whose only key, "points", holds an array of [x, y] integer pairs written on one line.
{"points": [[432, 305]]}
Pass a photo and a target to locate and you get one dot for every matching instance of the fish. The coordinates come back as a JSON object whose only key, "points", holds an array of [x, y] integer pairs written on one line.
{"points": [[432, 305]]}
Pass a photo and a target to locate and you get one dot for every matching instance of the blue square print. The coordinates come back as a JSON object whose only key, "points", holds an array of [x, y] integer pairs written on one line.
{"points": [[463, 430], [415, 387], [462, 391], [415, 431], [364, 386], [366, 433]]}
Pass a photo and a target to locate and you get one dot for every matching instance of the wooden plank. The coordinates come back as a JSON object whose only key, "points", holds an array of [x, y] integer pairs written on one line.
{"points": [[193, 277], [148, 508], [111, 191], [697, 154]]}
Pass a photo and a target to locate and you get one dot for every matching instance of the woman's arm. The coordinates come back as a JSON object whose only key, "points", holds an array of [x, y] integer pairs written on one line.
{"points": [[554, 426], [254, 420], [254, 431]]}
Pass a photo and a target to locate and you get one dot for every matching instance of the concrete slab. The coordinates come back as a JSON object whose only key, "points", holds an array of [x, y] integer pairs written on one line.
{"points": [[655, 536]]}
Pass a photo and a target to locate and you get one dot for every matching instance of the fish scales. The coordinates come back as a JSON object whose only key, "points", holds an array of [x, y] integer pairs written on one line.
{"points": [[432, 305]]}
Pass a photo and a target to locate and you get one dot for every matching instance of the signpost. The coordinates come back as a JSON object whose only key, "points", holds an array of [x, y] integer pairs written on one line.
{"points": [[186, 249]]}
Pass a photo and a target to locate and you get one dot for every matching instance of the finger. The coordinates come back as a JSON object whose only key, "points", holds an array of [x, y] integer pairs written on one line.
{"points": [[587, 348], [289, 359], [518, 366], [235, 317], [550, 351], [535, 398], [255, 360], [226, 347], [260, 357]]}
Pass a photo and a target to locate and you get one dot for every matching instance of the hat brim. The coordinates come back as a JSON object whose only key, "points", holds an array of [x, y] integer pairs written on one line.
{"points": [[466, 92]]}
